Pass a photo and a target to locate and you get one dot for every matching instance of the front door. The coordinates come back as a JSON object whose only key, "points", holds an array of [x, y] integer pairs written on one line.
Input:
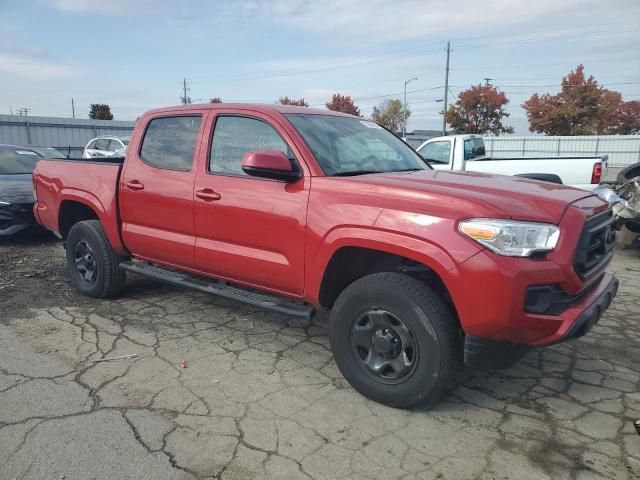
{"points": [[156, 191], [249, 230]]}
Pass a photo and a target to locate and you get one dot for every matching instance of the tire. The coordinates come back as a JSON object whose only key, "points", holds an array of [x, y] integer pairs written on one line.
{"points": [[432, 346], [93, 266]]}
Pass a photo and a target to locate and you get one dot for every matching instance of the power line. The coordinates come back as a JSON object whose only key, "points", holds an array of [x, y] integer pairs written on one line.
{"points": [[503, 35], [392, 56], [522, 65]]}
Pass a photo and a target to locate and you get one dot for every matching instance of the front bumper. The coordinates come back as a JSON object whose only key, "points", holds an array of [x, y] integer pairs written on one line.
{"points": [[15, 218], [591, 315], [482, 352]]}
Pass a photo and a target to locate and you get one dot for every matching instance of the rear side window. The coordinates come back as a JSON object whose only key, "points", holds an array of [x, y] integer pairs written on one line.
{"points": [[234, 136], [474, 148], [169, 142]]}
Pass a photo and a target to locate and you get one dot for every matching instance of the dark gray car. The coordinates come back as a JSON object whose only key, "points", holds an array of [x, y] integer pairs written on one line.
{"points": [[16, 189]]}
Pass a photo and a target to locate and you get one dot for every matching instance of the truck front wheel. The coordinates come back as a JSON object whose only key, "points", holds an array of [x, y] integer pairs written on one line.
{"points": [[394, 340], [93, 266]]}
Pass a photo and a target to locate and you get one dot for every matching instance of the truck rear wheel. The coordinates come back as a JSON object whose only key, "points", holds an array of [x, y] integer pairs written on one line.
{"points": [[394, 340], [93, 266]]}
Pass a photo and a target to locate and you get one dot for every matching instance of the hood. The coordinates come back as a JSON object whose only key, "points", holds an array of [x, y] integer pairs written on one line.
{"points": [[16, 188], [516, 197]]}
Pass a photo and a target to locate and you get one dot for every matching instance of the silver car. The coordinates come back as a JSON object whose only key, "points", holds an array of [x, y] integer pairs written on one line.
{"points": [[104, 146]]}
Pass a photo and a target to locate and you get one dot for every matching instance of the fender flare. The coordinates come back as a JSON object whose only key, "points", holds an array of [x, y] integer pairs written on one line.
{"points": [[417, 249], [108, 215]]}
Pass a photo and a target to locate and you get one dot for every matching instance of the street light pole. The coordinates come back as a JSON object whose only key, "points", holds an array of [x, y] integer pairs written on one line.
{"points": [[404, 108]]}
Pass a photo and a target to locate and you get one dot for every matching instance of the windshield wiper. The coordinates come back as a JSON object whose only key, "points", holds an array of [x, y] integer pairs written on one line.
{"points": [[353, 173], [410, 170]]}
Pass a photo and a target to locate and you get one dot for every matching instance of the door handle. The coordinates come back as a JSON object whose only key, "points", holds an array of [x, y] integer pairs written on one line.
{"points": [[208, 195], [134, 185]]}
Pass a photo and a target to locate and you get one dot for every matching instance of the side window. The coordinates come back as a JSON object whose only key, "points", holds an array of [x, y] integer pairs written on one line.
{"points": [[101, 144], [169, 142], [437, 152], [474, 148], [113, 145], [233, 136], [92, 145]]}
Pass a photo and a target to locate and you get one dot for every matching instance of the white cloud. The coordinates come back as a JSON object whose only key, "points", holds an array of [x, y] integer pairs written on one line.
{"points": [[103, 6], [30, 66], [383, 19]]}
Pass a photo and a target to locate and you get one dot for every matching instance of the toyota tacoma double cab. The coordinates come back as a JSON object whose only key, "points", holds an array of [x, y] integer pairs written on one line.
{"points": [[291, 209]]}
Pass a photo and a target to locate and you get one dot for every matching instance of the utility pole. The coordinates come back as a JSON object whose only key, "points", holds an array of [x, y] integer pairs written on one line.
{"points": [[73, 108], [404, 108], [10, 109], [486, 81], [185, 98], [446, 91]]}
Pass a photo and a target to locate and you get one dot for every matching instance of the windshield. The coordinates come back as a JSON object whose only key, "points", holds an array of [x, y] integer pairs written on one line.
{"points": [[13, 162], [350, 146]]}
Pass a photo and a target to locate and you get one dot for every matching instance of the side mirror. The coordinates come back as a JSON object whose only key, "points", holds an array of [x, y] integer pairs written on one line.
{"points": [[269, 164]]}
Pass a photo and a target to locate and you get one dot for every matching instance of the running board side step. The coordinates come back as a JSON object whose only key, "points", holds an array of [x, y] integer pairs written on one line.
{"points": [[263, 301]]}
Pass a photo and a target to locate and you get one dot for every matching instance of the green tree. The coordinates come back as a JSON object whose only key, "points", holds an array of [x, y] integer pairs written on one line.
{"points": [[390, 115], [100, 111], [479, 109]]}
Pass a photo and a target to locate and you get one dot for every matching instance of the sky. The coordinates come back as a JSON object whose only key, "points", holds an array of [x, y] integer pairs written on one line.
{"points": [[134, 54]]}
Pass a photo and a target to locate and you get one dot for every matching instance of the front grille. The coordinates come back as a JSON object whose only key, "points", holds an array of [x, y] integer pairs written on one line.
{"points": [[595, 247]]}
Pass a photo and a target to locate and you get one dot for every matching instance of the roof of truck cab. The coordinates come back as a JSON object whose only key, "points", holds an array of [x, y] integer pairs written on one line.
{"points": [[255, 107]]}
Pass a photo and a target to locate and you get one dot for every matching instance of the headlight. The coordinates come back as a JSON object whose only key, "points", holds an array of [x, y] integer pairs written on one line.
{"points": [[513, 239]]}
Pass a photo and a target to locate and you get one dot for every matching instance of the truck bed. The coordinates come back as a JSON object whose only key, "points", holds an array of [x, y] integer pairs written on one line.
{"points": [[71, 183], [574, 171]]}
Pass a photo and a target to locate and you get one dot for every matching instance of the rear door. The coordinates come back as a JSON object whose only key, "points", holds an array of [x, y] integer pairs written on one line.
{"points": [[156, 190], [250, 230]]}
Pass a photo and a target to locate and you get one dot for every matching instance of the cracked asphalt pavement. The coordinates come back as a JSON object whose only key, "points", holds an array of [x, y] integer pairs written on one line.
{"points": [[260, 396]]}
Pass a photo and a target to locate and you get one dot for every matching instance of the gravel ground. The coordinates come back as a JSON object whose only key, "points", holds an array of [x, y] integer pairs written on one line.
{"points": [[260, 396]]}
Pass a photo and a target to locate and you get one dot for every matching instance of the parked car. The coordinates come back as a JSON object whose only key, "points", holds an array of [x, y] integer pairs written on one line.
{"points": [[104, 146], [626, 174], [467, 152], [289, 209], [16, 189]]}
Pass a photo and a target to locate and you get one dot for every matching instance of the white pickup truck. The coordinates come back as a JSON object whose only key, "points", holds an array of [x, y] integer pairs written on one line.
{"points": [[467, 152]]}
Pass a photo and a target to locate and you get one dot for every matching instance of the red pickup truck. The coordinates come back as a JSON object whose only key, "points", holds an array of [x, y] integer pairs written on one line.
{"points": [[290, 209]]}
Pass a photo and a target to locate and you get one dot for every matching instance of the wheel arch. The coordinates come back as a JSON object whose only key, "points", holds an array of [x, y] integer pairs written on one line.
{"points": [[351, 257], [76, 206]]}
